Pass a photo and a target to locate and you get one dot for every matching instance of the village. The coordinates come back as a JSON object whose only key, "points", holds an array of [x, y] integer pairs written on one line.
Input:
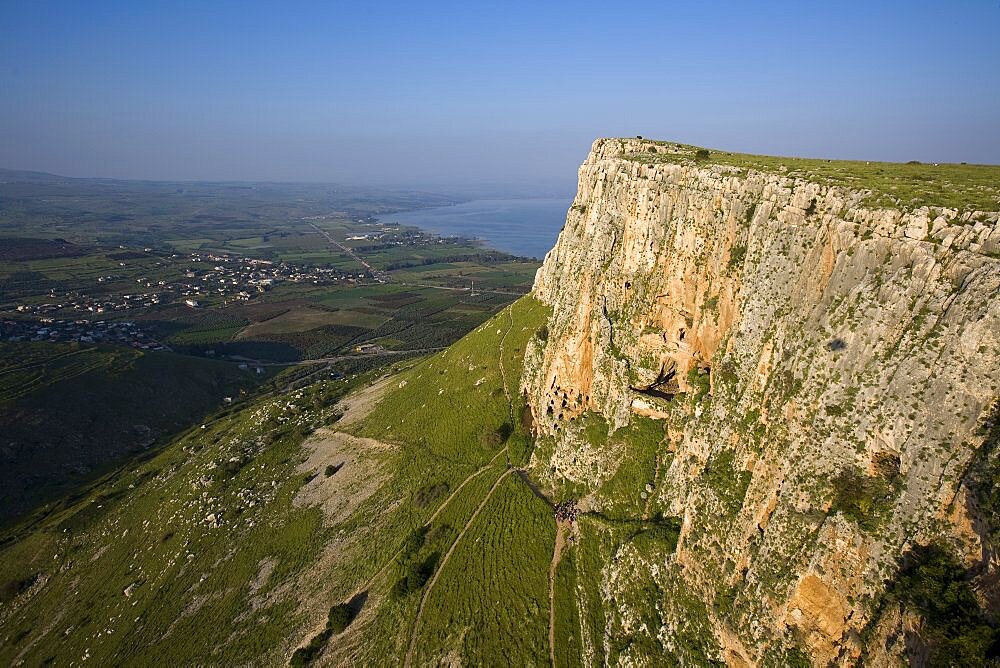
{"points": [[230, 279], [81, 331]]}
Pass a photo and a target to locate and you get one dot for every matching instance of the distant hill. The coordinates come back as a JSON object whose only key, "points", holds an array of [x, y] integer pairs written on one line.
{"points": [[19, 249], [24, 176], [69, 412]]}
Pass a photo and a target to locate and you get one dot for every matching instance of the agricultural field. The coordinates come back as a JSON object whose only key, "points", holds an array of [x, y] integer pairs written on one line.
{"points": [[205, 267], [428, 308], [162, 214]]}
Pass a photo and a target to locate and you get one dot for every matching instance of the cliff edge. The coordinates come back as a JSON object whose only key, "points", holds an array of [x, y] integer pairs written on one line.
{"points": [[823, 359]]}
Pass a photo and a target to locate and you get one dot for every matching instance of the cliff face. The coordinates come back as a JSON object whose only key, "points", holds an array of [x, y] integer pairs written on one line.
{"points": [[821, 371]]}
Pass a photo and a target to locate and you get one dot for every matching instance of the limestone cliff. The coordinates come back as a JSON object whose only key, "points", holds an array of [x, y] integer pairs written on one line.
{"points": [[821, 367]]}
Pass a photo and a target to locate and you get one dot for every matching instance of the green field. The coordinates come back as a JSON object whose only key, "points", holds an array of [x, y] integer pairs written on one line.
{"points": [[62, 237], [142, 523], [301, 320]]}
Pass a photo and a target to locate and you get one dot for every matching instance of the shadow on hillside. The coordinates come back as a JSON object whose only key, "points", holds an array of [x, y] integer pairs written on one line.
{"points": [[357, 603]]}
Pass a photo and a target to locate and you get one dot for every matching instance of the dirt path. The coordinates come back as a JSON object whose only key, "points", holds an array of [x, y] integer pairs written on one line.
{"points": [[523, 475], [561, 528], [464, 482], [444, 562]]}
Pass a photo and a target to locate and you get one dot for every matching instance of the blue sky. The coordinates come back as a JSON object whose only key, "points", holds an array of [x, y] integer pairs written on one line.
{"points": [[435, 93]]}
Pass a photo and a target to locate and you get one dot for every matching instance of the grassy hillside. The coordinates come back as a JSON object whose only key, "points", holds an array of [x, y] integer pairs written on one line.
{"points": [[68, 412], [203, 554], [468, 532], [175, 560]]}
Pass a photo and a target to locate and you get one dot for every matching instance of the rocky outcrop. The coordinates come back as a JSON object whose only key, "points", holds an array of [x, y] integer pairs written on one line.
{"points": [[838, 357]]}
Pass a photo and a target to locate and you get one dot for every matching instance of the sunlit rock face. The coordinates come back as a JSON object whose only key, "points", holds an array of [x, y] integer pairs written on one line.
{"points": [[782, 324]]}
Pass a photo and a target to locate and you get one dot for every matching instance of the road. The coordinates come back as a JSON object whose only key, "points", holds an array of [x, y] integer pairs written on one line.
{"points": [[339, 358], [445, 287], [377, 274]]}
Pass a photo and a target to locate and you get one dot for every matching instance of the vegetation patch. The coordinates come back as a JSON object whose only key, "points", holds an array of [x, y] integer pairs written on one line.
{"points": [[736, 256], [955, 628], [624, 494], [865, 500], [417, 564], [983, 476], [339, 618], [700, 382], [727, 481]]}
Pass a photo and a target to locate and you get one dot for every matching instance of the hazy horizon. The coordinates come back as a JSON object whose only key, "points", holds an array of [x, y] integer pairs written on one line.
{"points": [[448, 97]]}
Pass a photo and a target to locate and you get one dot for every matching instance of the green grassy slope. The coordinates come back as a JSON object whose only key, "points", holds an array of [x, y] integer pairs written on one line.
{"points": [[139, 570], [68, 412], [178, 560], [490, 604], [450, 417]]}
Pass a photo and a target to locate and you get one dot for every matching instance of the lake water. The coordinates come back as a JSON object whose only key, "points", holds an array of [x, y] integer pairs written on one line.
{"points": [[527, 227]]}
